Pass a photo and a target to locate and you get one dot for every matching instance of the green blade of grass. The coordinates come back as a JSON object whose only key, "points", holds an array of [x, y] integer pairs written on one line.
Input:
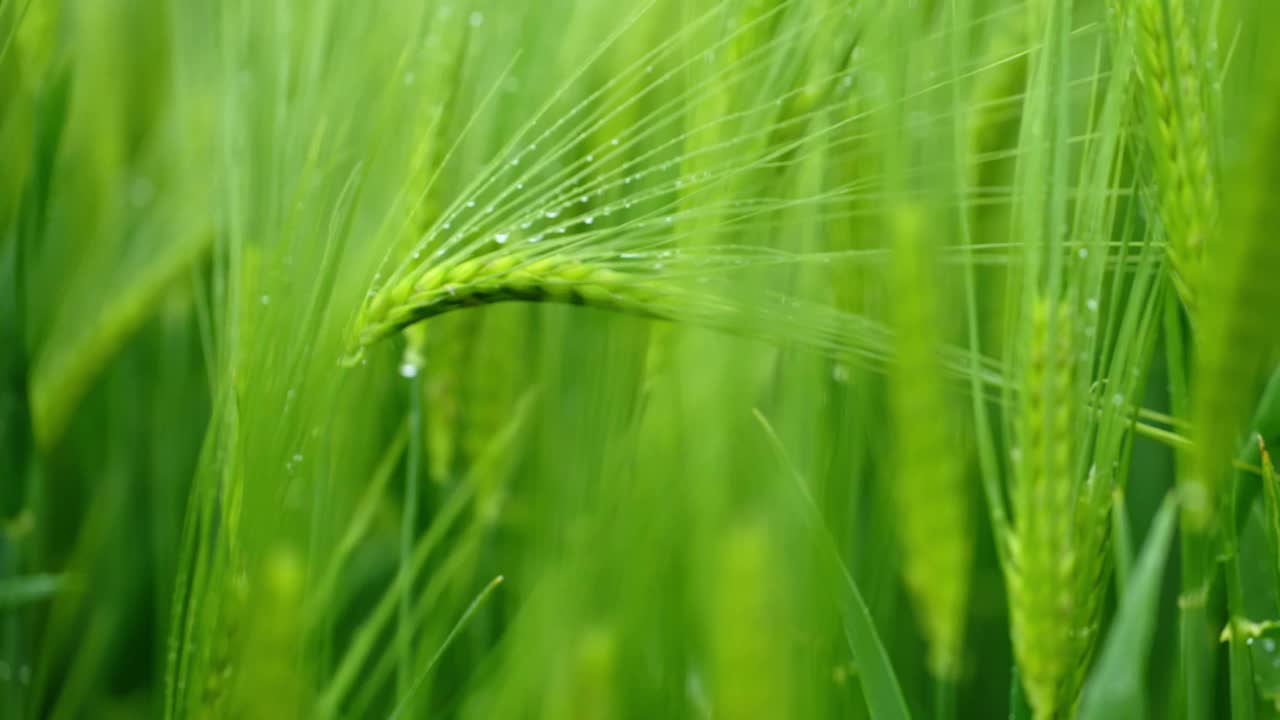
{"points": [[884, 695], [1115, 688], [25, 589]]}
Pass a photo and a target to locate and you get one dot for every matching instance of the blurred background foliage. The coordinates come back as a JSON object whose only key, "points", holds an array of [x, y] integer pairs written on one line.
{"points": [[205, 515]]}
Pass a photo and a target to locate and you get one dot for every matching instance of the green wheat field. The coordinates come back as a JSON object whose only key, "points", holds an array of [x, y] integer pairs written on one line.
{"points": [[605, 359]]}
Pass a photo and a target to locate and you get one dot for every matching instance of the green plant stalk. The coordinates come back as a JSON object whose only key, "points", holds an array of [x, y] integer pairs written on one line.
{"points": [[1239, 658], [1243, 695], [1193, 621], [1273, 509], [408, 529]]}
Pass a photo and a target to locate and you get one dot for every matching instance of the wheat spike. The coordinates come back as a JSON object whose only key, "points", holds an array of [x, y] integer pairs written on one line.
{"points": [[928, 486], [507, 277], [1043, 564], [1178, 137]]}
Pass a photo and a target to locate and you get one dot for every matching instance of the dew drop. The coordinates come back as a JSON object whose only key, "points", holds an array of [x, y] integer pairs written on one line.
{"points": [[501, 237], [266, 299], [552, 214], [408, 370], [840, 373]]}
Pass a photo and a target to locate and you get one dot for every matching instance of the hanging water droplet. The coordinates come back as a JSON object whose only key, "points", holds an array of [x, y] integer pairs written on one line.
{"points": [[840, 373], [408, 370]]}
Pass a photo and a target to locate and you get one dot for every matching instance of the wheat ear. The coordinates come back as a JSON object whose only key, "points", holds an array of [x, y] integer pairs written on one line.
{"points": [[1178, 137]]}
